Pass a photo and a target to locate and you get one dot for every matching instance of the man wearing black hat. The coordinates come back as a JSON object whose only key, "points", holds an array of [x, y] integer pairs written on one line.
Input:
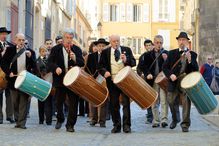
{"points": [[3, 47], [187, 63], [91, 68]]}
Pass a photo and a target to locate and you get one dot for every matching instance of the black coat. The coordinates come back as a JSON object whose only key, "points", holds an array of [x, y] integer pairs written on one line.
{"points": [[1, 47], [92, 64], [175, 55], [56, 59], [105, 63], [41, 66], [146, 67], [7, 59]]}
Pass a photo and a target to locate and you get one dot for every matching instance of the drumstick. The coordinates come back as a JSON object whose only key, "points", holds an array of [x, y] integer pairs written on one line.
{"points": [[17, 75]]}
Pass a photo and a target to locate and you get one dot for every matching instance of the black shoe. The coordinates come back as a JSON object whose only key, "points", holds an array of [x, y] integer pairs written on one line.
{"points": [[173, 125], [116, 130], [102, 125], [1, 121], [58, 125], [185, 129], [49, 123], [155, 125], [164, 124], [40, 122], [70, 129], [93, 123], [22, 127], [10, 120], [127, 129]]}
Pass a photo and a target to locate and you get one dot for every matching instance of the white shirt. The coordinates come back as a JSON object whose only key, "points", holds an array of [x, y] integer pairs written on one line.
{"points": [[65, 55], [21, 62]]}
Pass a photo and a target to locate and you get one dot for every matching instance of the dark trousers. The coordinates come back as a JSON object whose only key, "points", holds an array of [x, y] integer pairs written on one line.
{"points": [[61, 93], [20, 102], [149, 114], [115, 92], [102, 114], [45, 109], [9, 107], [186, 105], [83, 107]]}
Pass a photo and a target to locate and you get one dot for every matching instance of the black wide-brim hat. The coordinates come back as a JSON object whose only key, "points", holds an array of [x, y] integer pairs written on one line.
{"points": [[101, 41], [4, 29], [183, 35]]}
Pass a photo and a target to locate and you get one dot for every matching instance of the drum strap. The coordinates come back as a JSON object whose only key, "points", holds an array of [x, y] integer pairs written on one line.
{"points": [[155, 60], [177, 61], [17, 55]]}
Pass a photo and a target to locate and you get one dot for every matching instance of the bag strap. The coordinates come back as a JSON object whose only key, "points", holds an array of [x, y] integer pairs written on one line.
{"points": [[17, 55]]}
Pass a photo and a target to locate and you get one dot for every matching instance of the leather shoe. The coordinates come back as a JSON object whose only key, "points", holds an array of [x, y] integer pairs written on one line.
{"points": [[10, 120], [40, 122], [155, 125], [164, 124], [1, 121], [70, 129], [185, 129], [49, 123], [102, 125], [173, 125], [116, 130], [93, 123], [22, 127], [127, 129], [58, 125]]}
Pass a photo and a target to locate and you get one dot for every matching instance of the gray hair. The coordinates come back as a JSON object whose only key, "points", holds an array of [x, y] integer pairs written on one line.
{"points": [[158, 37], [68, 31]]}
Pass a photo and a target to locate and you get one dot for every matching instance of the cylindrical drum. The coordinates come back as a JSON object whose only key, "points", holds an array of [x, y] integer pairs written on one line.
{"points": [[162, 81], [3, 81], [199, 93], [135, 87], [32, 85], [85, 86]]}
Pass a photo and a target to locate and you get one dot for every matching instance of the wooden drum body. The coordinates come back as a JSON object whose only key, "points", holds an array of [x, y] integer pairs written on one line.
{"points": [[162, 81], [3, 81], [83, 84], [199, 93], [135, 87]]}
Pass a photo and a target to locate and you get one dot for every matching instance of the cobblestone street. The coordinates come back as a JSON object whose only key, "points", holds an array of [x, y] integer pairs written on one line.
{"points": [[202, 133]]}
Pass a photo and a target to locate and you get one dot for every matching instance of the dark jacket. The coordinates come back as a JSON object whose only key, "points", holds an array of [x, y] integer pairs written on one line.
{"points": [[92, 64], [56, 59], [105, 63], [41, 66], [146, 67], [7, 59], [175, 55]]}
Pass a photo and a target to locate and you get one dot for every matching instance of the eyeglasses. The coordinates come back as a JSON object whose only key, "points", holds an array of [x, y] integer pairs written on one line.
{"points": [[210, 58]]}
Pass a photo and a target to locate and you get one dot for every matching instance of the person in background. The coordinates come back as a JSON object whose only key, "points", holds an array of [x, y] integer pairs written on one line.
{"points": [[206, 70], [215, 74], [59, 40]]}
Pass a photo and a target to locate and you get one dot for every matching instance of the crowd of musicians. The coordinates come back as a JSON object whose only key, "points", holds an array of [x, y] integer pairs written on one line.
{"points": [[107, 59]]}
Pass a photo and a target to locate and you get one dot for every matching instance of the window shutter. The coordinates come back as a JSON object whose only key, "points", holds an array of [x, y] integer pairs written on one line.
{"points": [[145, 12], [155, 10], [172, 10], [129, 12], [122, 12], [105, 12]]}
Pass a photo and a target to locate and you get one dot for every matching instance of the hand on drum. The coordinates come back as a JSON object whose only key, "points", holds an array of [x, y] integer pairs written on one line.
{"points": [[149, 77], [173, 77], [58, 71], [123, 57], [107, 74], [28, 53], [11, 75]]}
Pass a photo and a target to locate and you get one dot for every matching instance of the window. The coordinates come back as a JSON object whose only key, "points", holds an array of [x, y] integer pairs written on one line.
{"points": [[137, 13], [163, 10], [114, 10], [136, 45]]}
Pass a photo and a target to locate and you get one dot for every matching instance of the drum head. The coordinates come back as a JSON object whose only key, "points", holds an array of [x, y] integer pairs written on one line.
{"points": [[20, 79], [71, 76], [191, 80], [122, 74]]}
